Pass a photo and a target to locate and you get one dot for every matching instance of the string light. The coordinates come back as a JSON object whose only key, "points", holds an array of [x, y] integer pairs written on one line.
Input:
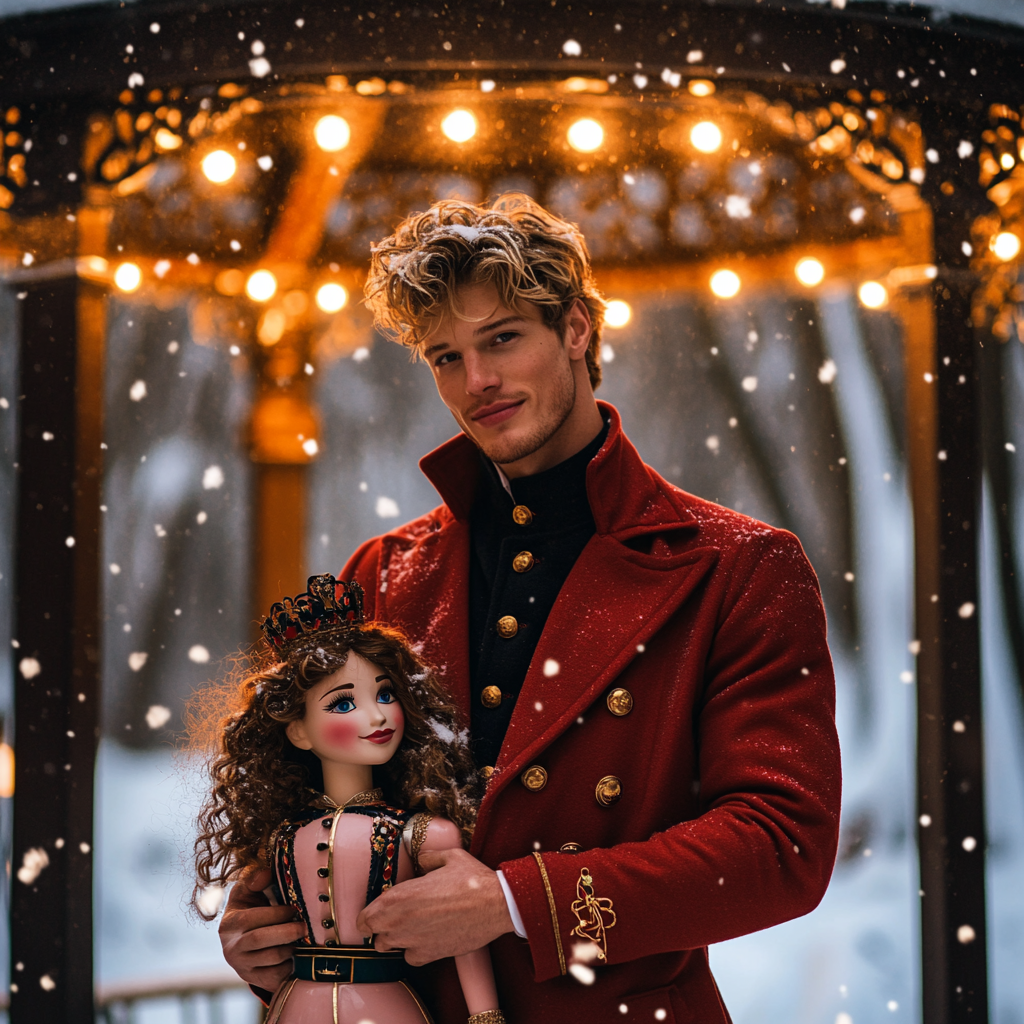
{"points": [[809, 271], [459, 126], [331, 297], [127, 277], [617, 313], [219, 166], [706, 136], [873, 294], [261, 286], [585, 135], [332, 133], [1006, 245], [725, 283]]}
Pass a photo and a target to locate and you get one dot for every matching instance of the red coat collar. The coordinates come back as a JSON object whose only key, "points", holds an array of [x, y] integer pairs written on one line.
{"points": [[627, 498]]}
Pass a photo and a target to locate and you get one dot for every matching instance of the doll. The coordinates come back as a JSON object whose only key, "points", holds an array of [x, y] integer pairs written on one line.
{"points": [[340, 760]]}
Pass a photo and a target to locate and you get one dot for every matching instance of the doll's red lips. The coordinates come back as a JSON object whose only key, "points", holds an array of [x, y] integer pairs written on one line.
{"points": [[380, 736]]}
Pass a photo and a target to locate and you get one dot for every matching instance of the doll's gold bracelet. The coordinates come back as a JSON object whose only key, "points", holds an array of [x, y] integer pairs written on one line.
{"points": [[487, 1017]]}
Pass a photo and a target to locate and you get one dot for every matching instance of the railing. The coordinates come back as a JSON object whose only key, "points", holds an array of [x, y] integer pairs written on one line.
{"points": [[195, 999]]}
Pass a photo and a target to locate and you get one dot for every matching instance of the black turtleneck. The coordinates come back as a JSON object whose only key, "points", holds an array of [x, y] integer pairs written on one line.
{"points": [[525, 588]]}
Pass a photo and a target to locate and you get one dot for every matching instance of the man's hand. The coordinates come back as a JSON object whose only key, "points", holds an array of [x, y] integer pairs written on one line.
{"points": [[456, 908], [256, 937]]}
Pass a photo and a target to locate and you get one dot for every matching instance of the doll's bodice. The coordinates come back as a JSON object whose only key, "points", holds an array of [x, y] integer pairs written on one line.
{"points": [[332, 863]]}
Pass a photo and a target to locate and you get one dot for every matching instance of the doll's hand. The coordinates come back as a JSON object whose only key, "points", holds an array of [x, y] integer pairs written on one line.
{"points": [[257, 938], [458, 906]]}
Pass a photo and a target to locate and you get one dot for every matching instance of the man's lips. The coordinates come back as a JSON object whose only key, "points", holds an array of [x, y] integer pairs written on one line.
{"points": [[380, 736], [497, 412]]}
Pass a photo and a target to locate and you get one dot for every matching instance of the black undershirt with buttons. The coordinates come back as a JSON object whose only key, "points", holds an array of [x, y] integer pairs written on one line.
{"points": [[517, 569]]}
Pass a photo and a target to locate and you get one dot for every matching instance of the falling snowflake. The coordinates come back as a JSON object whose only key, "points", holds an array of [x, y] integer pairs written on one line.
{"points": [[137, 392], [213, 477], [966, 610], [137, 659], [737, 207], [571, 48], [607, 353], [360, 354], [749, 384], [712, 443], [551, 667], [29, 667], [199, 654], [827, 371], [47, 984], [115, 569], [32, 863], [157, 716], [583, 974], [201, 518], [837, 66], [387, 508], [259, 67], [965, 149], [694, 56], [210, 899]]}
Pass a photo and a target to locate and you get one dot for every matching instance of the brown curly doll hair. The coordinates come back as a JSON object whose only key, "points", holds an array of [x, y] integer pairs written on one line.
{"points": [[261, 779]]}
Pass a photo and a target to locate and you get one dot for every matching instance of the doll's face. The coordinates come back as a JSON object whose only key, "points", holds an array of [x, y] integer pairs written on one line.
{"points": [[352, 716]]}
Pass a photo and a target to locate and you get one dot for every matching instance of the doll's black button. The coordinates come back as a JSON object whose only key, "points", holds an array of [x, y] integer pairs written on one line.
{"points": [[328, 922], [326, 823], [322, 872], [321, 846], [324, 898], [330, 942]]}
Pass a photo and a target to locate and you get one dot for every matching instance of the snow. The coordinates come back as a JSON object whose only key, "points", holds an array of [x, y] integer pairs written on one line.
{"points": [[199, 654]]}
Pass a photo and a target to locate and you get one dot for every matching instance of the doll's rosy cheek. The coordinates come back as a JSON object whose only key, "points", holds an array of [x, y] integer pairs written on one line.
{"points": [[342, 733]]}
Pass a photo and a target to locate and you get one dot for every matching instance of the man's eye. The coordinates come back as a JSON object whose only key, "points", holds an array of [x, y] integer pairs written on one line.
{"points": [[385, 697], [342, 706], [445, 358], [506, 336]]}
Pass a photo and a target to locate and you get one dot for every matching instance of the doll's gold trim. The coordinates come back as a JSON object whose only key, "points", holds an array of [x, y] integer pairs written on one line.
{"points": [[414, 835], [590, 911], [419, 1002], [277, 1005], [330, 878], [487, 1017], [553, 909]]}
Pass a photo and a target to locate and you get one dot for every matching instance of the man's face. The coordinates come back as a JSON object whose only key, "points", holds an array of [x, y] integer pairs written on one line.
{"points": [[506, 376]]}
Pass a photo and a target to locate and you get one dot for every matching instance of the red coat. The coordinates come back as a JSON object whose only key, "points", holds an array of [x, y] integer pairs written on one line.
{"points": [[728, 761]]}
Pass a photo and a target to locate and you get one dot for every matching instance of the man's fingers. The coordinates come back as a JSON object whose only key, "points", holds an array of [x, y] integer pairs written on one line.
{"points": [[246, 919], [256, 879], [242, 897], [431, 860], [269, 956], [279, 936]]}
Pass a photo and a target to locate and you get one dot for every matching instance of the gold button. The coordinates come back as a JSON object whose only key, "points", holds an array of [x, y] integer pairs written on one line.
{"points": [[608, 791], [487, 771], [491, 697], [570, 848], [619, 701], [523, 562], [522, 516], [534, 778], [507, 626]]}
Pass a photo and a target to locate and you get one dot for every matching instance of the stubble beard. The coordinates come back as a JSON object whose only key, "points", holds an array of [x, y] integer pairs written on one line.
{"points": [[506, 450]]}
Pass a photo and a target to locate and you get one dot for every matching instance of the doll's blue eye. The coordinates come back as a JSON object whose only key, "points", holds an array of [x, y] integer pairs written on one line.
{"points": [[343, 705], [385, 697]]}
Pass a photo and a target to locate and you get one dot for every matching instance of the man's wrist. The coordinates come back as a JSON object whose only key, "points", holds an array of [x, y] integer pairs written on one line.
{"points": [[513, 911]]}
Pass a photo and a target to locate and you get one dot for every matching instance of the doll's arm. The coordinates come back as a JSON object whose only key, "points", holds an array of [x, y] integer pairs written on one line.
{"points": [[476, 976]]}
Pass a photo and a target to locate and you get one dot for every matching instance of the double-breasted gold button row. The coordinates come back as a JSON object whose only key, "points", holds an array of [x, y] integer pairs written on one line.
{"points": [[607, 792]]}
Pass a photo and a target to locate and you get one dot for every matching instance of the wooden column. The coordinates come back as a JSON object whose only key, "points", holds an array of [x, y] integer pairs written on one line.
{"points": [[57, 627]]}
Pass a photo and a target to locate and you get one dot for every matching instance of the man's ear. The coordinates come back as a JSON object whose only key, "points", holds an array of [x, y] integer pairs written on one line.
{"points": [[578, 329], [295, 730]]}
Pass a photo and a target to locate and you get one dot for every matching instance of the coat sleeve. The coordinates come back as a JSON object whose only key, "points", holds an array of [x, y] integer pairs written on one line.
{"points": [[762, 850]]}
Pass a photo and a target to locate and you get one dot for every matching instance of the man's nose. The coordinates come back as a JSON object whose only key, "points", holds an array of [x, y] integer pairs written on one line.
{"points": [[480, 375]]}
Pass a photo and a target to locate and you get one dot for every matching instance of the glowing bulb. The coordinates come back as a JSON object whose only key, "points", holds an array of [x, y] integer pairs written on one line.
{"points": [[6, 771], [701, 87], [166, 139], [617, 313], [725, 284], [261, 286], [585, 135], [706, 136], [219, 166], [873, 294], [127, 277], [331, 297], [809, 271], [1006, 245], [332, 133], [1007, 161], [459, 126]]}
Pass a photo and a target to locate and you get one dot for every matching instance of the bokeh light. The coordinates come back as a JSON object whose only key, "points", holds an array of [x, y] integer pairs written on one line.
{"points": [[1007, 161], [585, 135], [706, 136], [873, 294], [701, 87], [127, 277], [459, 126], [219, 166], [617, 313], [809, 271], [1006, 245], [725, 283], [331, 297], [261, 286], [332, 133]]}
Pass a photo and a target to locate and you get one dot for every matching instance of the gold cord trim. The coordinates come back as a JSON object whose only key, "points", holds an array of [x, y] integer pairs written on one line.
{"points": [[553, 909], [330, 880], [590, 910], [419, 1002], [334, 1001], [277, 1006], [487, 1017]]}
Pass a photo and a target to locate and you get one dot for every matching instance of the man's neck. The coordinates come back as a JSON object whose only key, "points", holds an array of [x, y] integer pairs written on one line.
{"points": [[581, 426]]}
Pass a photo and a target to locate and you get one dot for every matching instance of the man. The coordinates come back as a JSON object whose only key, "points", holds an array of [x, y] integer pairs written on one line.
{"points": [[645, 674]]}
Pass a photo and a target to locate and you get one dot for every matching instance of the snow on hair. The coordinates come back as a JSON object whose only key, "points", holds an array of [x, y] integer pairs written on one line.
{"points": [[526, 252]]}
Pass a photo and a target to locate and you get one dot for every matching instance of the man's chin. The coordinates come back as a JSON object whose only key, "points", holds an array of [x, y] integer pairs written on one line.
{"points": [[504, 450]]}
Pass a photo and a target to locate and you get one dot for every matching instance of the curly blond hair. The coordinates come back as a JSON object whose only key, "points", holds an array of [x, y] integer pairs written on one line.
{"points": [[527, 253]]}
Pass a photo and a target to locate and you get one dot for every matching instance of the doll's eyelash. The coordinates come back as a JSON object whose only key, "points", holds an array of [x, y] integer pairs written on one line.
{"points": [[335, 701]]}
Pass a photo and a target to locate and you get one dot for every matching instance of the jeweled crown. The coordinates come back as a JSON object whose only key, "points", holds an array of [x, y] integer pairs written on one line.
{"points": [[328, 606]]}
